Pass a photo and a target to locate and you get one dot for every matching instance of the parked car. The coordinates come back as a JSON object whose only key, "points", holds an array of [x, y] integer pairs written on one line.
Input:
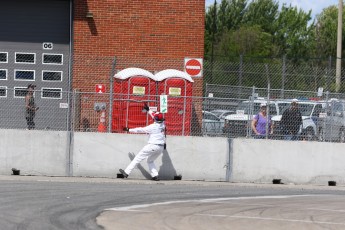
{"points": [[331, 123], [310, 111], [222, 113], [211, 124], [239, 123]]}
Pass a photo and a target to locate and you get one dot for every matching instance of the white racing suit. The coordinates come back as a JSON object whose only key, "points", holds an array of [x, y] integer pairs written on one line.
{"points": [[152, 150]]}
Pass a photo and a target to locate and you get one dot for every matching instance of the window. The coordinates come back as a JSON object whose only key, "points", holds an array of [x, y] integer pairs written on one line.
{"points": [[273, 110], [3, 57], [28, 58], [51, 75], [25, 75], [317, 110], [54, 59], [3, 91], [20, 92], [52, 93], [3, 74]]}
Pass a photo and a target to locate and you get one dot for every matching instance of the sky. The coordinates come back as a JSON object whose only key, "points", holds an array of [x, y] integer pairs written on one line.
{"points": [[315, 5]]}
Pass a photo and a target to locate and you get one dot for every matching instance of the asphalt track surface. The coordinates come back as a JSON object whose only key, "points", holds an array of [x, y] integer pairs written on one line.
{"points": [[34, 202]]}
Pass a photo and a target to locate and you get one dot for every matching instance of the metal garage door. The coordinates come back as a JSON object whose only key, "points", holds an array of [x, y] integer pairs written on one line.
{"points": [[35, 49]]}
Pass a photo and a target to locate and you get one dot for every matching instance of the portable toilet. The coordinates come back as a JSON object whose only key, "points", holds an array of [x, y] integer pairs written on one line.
{"points": [[132, 87], [178, 86]]}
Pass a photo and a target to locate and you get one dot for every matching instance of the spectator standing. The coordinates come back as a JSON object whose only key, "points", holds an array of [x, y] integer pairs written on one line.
{"points": [[259, 123], [30, 106], [291, 121]]}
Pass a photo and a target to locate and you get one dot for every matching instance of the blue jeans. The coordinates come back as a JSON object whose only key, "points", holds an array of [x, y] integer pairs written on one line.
{"points": [[291, 137], [259, 136]]}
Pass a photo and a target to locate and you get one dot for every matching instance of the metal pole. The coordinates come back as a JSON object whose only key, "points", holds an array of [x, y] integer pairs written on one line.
{"points": [[241, 71], [240, 76], [328, 75], [339, 47], [111, 95], [283, 77], [268, 101], [214, 29], [250, 113]]}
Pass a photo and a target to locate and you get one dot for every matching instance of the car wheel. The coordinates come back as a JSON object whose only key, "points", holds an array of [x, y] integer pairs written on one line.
{"points": [[309, 134], [321, 136], [342, 135]]}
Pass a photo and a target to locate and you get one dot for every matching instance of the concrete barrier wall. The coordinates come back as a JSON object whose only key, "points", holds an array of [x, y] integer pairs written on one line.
{"points": [[33, 152], [37, 152], [195, 158], [301, 162]]}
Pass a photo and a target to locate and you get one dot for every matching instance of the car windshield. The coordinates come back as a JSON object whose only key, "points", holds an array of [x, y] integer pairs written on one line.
{"points": [[217, 112], [245, 106], [210, 117], [282, 105], [305, 109]]}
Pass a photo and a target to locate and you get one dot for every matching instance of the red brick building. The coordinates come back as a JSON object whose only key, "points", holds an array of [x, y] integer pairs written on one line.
{"points": [[153, 35], [64, 45]]}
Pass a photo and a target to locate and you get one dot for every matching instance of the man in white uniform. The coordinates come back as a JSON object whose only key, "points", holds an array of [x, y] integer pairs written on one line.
{"points": [[154, 147]]}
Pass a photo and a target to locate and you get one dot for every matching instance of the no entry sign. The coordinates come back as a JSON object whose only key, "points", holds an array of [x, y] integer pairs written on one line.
{"points": [[193, 66]]}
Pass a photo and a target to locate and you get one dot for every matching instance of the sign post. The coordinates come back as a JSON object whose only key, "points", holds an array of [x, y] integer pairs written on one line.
{"points": [[163, 103]]}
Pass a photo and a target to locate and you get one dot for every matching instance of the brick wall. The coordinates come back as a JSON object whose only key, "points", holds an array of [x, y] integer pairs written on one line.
{"points": [[153, 35]]}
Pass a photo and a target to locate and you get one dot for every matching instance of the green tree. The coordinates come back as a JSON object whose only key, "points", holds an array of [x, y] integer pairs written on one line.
{"points": [[247, 40], [293, 35], [262, 13], [231, 13], [326, 31]]}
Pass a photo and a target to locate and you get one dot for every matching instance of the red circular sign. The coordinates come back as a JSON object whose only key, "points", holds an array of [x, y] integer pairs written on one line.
{"points": [[193, 67]]}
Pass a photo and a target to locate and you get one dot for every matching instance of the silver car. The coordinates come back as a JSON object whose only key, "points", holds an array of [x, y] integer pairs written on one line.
{"points": [[211, 124], [331, 123]]}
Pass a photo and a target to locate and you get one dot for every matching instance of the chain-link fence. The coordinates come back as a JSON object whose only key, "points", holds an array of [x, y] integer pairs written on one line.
{"points": [[224, 102]]}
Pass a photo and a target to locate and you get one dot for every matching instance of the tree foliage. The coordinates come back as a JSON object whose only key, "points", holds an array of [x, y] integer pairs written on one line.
{"points": [[326, 31], [260, 27]]}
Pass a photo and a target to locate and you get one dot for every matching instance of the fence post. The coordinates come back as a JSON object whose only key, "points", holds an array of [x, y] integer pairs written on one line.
{"points": [[328, 74], [111, 97], [240, 76], [250, 113], [283, 77], [268, 101]]}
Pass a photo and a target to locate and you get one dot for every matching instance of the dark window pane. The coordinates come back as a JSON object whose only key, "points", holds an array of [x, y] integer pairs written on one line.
{"points": [[25, 75], [51, 93], [3, 57], [3, 74], [52, 58], [25, 58], [3, 92], [20, 92], [52, 76]]}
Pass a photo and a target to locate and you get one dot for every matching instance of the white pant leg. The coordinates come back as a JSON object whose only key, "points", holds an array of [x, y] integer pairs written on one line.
{"points": [[145, 152], [150, 160]]}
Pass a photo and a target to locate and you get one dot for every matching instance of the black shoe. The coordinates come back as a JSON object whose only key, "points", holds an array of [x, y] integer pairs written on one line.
{"points": [[155, 178], [125, 175]]}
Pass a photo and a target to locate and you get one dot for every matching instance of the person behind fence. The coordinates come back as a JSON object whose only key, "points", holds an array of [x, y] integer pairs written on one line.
{"points": [[30, 106], [153, 149], [291, 121], [259, 123]]}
